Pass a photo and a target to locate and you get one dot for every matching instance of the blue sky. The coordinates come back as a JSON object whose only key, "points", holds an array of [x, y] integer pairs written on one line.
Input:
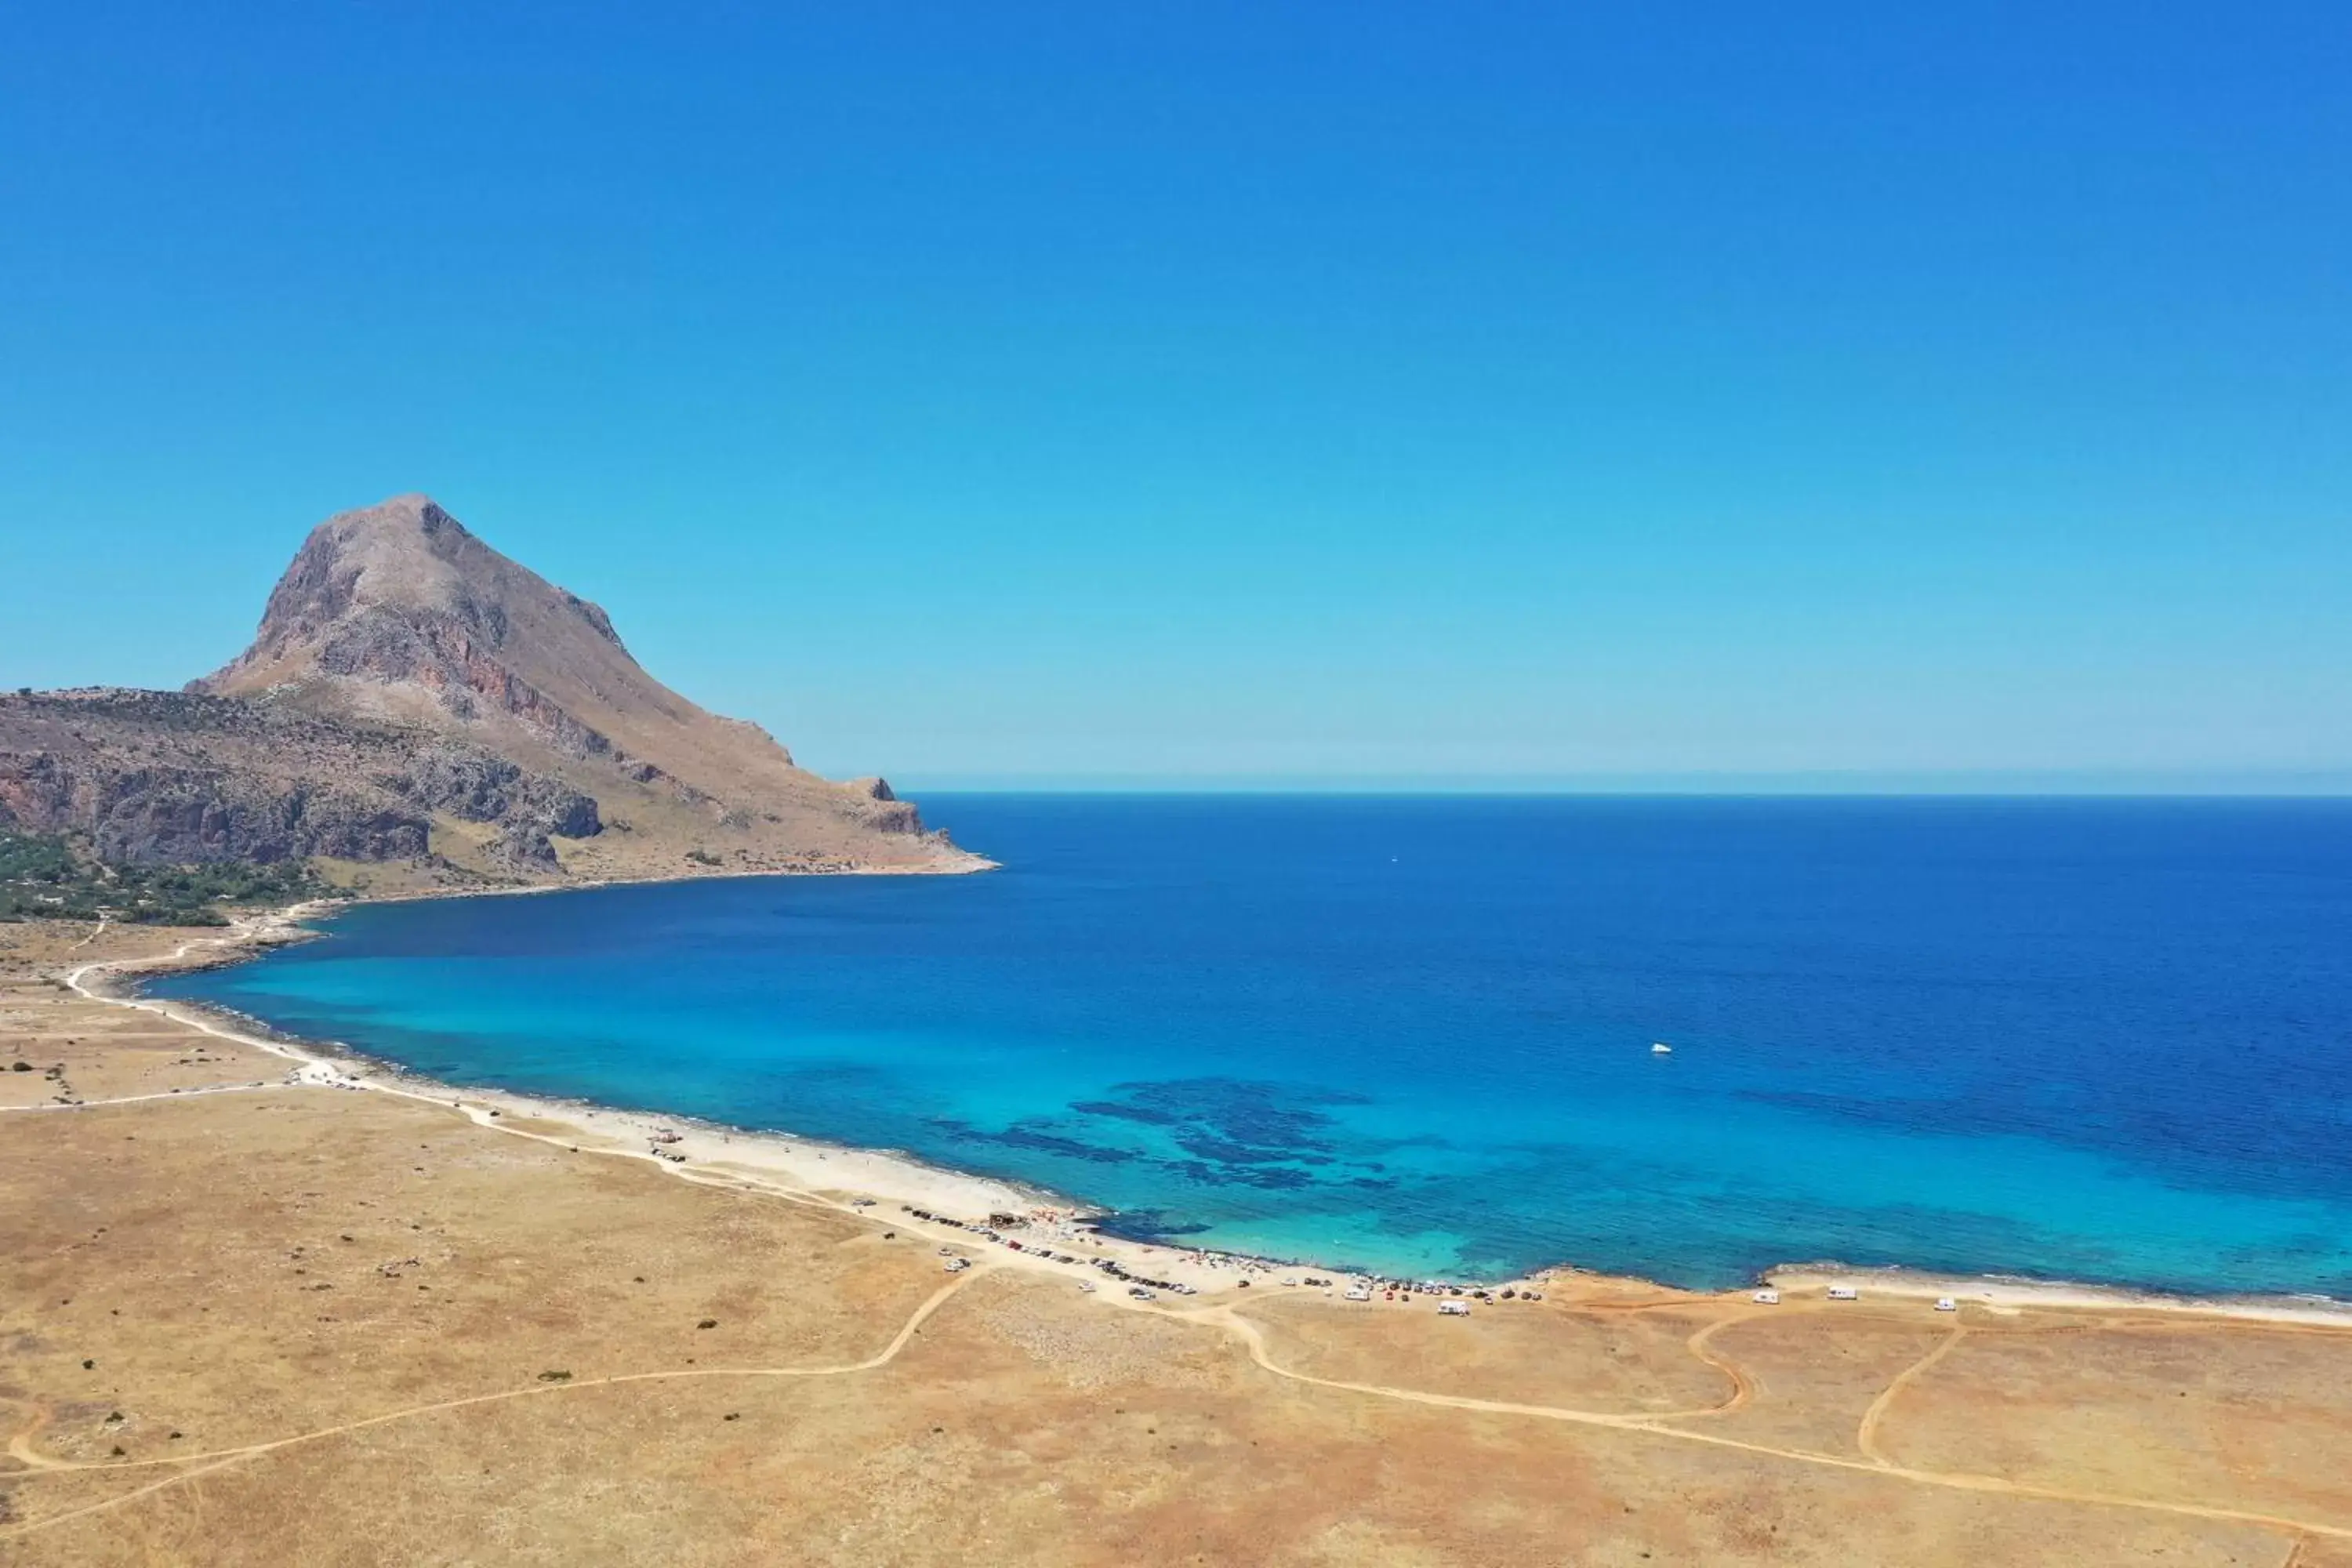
{"points": [[1514, 395]]}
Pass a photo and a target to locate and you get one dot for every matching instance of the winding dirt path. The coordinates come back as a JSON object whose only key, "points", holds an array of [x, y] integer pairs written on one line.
{"points": [[20, 1446], [1866, 1436], [1650, 1426], [1743, 1386], [20, 1443], [193, 1092]]}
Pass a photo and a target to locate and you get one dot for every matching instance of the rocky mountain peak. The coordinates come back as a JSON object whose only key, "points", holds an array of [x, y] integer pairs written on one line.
{"points": [[370, 589], [411, 693]]}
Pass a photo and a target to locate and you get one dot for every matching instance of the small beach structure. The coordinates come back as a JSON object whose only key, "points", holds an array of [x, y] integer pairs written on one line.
{"points": [[1767, 1298], [1844, 1293], [1454, 1309], [1945, 1304]]}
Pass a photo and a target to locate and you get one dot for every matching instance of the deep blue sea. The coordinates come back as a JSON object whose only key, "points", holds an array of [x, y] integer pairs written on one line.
{"points": [[2094, 1040]]}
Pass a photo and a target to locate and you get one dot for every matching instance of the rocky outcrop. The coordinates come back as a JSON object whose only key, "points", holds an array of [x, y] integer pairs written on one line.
{"points": [[184, 819], [530, 810], [480, 788], [180, 779], [141, 806]]}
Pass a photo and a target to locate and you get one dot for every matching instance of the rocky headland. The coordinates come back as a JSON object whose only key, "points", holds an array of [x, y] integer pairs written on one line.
{"points": [[417, 710]]}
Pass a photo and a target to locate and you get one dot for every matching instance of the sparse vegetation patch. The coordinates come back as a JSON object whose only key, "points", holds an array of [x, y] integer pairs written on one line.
{"points": [[47, 877]]}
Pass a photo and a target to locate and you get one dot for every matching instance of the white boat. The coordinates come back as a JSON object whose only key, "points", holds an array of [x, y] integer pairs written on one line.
{"points": [[1660, 1049]]}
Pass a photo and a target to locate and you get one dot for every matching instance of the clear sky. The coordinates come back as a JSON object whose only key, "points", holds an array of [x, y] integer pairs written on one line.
{"points": [[1513, 395]]}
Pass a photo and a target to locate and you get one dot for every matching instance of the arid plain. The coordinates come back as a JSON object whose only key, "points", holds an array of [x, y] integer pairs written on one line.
{"points": [[254, 1321]]}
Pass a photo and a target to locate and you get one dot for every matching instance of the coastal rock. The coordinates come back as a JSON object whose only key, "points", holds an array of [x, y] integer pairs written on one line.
{"points": [[480, 787]]}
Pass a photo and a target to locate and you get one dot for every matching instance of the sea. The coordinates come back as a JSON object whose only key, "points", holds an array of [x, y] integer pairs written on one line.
{"points": [[2105, 1041]]}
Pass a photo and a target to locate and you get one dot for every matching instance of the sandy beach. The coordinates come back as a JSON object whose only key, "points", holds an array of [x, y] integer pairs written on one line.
{"points": [[855, 1179], [849, 1179], [269, 1302]]}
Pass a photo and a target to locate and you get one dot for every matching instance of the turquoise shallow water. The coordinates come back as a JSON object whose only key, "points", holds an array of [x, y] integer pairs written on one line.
{"points": [[2092, 1040]]}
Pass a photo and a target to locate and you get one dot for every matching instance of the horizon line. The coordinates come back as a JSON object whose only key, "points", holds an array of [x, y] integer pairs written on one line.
{"points": [[2152, 785]]}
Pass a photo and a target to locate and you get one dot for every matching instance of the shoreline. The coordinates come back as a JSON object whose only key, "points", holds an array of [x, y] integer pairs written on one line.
{"points": [[340, 1065], [852, 1181], [973, 865], [808, 1170]]}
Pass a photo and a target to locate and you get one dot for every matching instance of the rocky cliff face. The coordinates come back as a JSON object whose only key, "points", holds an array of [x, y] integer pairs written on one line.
{"points": [[157, 777], [412, 694]]}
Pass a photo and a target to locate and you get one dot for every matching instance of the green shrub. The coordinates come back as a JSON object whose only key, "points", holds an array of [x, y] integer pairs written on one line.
{"points": [[43, 877]]}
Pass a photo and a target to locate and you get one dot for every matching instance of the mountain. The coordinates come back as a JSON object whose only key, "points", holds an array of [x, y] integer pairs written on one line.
{"points": [[416, 701]]}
